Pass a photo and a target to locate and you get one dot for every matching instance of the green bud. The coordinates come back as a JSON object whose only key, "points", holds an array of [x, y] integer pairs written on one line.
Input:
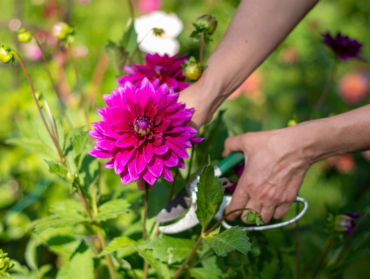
{"points": [[6, 55], [207, 22], [62, 31], [292, 122], [24, 36], [192, 71]]}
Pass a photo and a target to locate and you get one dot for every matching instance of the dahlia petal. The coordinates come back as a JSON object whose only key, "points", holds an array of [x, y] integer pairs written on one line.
{"points": [[148, 177], [148, 152], [116, 114], [178, 121], [193, 132], [181, 164], [139, 112], [170, 159], [129, 70], [157, 120], [100, 154], [105, 144], [163, 127], [118, 166], [126, 155], [108, 99], [150, 105], [160, 99], [125, 177], [109, 164], [138, 142], [103, 114], [196, 140], [123, 128], [160, 150], [95, 134], [132, 170], [177, 129], [129, 89], [167, 174], [174, 108], [155, 166], [142, 96], [126, 140], [171, 99], [187, 144], [183, 136], [141, 164], [156, 83], [177, 148], [158, 139], [128, 117], [172, 82], [157, 110]]}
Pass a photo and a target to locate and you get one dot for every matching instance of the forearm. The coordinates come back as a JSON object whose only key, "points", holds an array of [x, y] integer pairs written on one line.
{"points": [[255, 31], [323, 138]]}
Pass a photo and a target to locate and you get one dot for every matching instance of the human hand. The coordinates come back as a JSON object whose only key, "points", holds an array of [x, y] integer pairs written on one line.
{"points": [[275, 165]]}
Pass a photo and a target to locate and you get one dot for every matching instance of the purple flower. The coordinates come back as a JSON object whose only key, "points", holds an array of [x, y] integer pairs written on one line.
{"points": [[164, 68], [145, 132], [238, 169], [345, 222], [343, 46]]}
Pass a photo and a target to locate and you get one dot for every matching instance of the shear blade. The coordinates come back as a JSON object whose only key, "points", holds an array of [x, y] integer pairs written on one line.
{"points": [[190, 220], [175, 208]]}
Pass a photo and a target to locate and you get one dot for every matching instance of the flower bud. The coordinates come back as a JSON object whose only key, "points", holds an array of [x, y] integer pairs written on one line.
{"points": [[207, 22], [6, 55], [292, 122], [24, 36], [62, 31], [192, 71], [345, 223]]}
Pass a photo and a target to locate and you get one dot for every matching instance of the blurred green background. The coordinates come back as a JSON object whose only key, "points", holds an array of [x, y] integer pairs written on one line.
{"points": [[288, 83]]}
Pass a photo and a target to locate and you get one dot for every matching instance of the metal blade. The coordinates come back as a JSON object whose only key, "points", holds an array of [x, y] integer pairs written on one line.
{"points": [[175, 208], [190, 220]]}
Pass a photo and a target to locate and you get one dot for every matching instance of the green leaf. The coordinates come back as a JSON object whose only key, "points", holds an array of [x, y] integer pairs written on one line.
{"points": [[209, 196], [129, 39], [70, 135], [30, 254], [43, 134], [112, 209], [89, 171], [58, 168], [117, 54], [119, 243], [170, 249], [215, 134], [80, 266], [79, 142], [156, 199], [68, 208], [206, 273], [54, 222], [229, 240], [161, 268]]}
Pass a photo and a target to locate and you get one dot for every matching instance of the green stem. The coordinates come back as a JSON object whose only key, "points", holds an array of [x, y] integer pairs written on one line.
{"points": [[202, 259], [132, 11], [52, 82], [328, 245], [55, 140], [190, 164], [146, 265]]}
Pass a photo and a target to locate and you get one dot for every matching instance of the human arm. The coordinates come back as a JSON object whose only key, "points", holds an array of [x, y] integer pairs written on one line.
{"points": [[254, 32], [277, 160]]}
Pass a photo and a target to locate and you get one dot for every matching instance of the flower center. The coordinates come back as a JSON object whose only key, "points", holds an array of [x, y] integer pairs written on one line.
{"points": [[142, 125]]}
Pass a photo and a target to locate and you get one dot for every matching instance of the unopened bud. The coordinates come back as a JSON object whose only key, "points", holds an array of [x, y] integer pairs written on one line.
{"points": [[62, 31], [292, 122], [345, 223], [192, 71], [207, 22], [24, 36], [6, 55]]}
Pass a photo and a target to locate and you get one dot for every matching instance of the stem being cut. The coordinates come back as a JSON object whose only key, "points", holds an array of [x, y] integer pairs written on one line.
{"points": [[146, 265]]}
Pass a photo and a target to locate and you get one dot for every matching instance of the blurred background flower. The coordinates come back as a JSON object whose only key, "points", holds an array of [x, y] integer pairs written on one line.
{"points": [[353, 87], [164, 44], [147, 6], [31, 50], [345, 223], [343, 163]]}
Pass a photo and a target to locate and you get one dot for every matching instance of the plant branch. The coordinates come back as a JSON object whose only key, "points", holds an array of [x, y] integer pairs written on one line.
{"points": [[132, 11], [55, 141], [328, 245], [190, 164], [146, 265], [202, 259], [53, 83]]}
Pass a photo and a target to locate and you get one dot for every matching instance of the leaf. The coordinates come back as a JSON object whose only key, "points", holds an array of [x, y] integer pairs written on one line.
{"points": [[117, 54], [206, 273], [79, 142], [43, 134], [80, 266], [30, 254], [209, 196], [229, 240], [70, 135], [118, 243], [112, 209], [161, 268], [215, 134], [156, 199], [89, 171], [129, 39], [58, 168], [170, 249], [54, 222], [68, 208]]}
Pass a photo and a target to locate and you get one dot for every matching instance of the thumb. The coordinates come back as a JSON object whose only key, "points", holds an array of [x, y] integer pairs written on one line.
{"points": [[233, 144]]}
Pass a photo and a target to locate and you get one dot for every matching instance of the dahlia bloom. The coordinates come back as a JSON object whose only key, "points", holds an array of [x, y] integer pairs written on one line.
{"points": [[343, 46], [145, 132], [165, 68]]}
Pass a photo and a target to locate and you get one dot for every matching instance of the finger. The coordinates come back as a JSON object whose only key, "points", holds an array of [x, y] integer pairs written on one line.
{"points": [[281, 210], [232, 144], [141, 184], [239, 200], [266, 213], [252, 204]]}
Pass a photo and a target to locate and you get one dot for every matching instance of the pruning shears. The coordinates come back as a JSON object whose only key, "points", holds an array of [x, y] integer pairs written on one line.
{"points": [[186, 199]]}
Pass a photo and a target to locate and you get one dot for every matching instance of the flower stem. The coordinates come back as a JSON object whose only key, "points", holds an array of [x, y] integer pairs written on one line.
{"points": [[132, 11], [297, 247], [201, 47], [55, 140], [325, 92], [350, 238], [78, 85], [330, 242], [146, 265], [190, 164], [52, 82], [202, 259], [184, 264]]}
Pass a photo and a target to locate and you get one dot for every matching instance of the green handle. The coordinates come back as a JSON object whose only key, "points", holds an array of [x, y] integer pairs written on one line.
{"points": [[230, 161]]}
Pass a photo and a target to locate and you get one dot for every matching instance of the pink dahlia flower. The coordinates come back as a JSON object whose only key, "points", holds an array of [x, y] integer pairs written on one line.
{"points": [[145, 132], [164, 68]]}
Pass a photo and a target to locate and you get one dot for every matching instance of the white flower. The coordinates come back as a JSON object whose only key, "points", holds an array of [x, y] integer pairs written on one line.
{"points": [[166, 43]]}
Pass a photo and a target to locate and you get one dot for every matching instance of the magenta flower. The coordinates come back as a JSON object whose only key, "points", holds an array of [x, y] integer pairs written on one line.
{"points": [[164, 68], [145, 132], [345, 223], [344, 47]]}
